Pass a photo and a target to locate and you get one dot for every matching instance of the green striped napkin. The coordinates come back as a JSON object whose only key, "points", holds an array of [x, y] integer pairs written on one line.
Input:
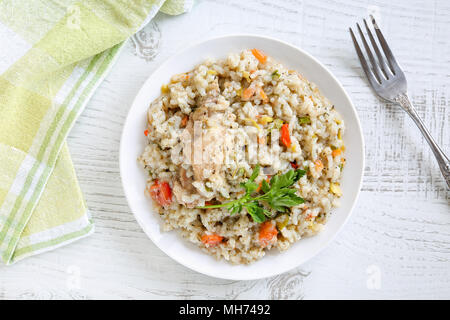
{"points": [[53, 56]]}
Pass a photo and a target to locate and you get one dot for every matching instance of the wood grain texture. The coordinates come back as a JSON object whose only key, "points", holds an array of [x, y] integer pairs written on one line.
{"points": [[397, 243]]}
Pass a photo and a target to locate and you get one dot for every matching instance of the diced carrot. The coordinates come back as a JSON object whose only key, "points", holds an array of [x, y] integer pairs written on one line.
{"points": [[184, 121], [336, 152], [161, 193], [252, 71], [208, 203], [260, 184], [259, 187], [294, 165], [146, 132], [263, 95], [261, 140], [179, 77], [267, 232], [248, 93], [259, 55], [307, 216], [211, 240], [285, 137], [319, 165]]}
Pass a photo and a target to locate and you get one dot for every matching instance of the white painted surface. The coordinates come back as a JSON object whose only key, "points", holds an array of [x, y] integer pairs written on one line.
{"points": [[397, 243]]}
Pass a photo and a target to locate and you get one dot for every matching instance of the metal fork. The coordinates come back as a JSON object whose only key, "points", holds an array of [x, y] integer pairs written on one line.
{"points": [[389, 82]]}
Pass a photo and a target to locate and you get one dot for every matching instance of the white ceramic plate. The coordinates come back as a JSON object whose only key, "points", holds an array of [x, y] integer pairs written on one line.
{"points": [[134, 177]]}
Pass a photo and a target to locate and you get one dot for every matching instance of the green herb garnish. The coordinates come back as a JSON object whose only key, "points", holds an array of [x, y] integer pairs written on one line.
{"points": [[276, 75], [304, 120], [278, 195], [276, 124]]}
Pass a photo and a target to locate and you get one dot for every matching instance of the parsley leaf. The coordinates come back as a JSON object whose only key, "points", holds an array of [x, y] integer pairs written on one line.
{"points": [[255, 173], [256, 211], [276, 75], [278, 195]]}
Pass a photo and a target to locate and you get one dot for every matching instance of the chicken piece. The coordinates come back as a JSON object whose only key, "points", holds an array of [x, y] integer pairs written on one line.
{"points": [[186, 182], [181, 194], [203, 148], [212, 154], [200, 114]]}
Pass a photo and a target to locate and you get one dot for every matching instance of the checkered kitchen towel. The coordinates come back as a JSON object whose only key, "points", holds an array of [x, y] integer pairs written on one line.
{"points": [[53, 54]]}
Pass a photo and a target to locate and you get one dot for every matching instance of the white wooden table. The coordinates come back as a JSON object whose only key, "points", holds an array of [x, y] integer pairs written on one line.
{"points": [[397, 243]]}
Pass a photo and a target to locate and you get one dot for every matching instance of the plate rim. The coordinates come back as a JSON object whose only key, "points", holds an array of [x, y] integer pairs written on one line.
{"points": [[122, 161]]}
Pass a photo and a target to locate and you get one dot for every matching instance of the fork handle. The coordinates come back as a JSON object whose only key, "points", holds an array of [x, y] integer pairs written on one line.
{"points": [[443, 161]]}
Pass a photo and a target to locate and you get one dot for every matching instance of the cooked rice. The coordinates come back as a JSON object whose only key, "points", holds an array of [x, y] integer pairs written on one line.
{"points": [[212, 94]]}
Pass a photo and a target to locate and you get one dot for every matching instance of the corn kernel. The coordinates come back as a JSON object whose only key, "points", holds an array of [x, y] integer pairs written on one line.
{"points": [[165, 88], [265, 120], [282, 224], [254, 123], [336, 189]]}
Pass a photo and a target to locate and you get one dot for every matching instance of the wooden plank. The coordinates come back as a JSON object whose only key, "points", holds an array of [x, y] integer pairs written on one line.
{"points": [[397, 244]]}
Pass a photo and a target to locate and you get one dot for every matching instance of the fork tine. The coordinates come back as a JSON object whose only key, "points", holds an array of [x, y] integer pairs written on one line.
{"points": [[384, 67], [375, 68], [370, 76], [387, 51]]}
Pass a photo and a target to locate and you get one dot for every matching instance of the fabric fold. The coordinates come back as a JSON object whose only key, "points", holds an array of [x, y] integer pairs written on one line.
{"points": [[56, 58]]}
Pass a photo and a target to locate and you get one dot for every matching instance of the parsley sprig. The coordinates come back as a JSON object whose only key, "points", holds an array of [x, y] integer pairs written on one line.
{"points": [[278, 195]]}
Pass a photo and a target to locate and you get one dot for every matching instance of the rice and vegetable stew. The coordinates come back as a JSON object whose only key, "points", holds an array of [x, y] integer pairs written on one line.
{"points": [[243, 155]]}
